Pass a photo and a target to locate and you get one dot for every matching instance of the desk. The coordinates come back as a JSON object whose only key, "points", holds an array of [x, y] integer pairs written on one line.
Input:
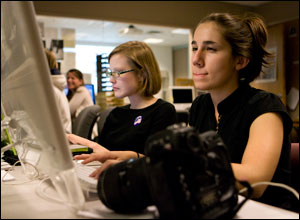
{"points": [[22, 202]]}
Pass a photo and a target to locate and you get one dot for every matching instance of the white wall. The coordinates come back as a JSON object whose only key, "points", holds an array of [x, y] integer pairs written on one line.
{"points": [[164, 57]]}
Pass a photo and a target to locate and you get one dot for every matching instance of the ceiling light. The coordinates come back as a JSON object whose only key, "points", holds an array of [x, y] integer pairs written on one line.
{"points": [[91, 22], [81, 35], [181, 31], [131, 29], [154, 32], [153, 40]]}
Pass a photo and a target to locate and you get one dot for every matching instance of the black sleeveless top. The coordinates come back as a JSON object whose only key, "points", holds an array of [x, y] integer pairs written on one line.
{"points": [[237, 112]]}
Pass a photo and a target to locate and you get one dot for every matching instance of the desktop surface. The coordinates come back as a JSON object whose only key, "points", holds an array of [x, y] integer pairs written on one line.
{"points": [[21, 201]]}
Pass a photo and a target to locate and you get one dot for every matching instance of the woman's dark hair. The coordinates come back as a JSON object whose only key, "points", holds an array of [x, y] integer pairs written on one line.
{"points": [[247, 36], [79, 75]]}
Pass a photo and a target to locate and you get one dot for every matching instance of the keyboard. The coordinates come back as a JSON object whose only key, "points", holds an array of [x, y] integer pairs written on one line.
{"points": [[83, 171]]}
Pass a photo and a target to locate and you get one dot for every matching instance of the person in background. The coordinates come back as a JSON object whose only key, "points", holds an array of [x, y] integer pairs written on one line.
{"points": [[134, 73], [228, 53], [78, 96], [59, 83]]}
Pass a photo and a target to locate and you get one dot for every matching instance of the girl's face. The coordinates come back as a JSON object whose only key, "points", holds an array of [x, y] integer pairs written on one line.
{"points": [[72, 81], [127, 84], [213, 66]]}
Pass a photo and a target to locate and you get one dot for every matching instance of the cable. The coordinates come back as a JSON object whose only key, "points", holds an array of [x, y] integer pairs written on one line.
{"points": [[41, 192], [14, 182], [7, 147], [296, 194], [2, 179], [23, 141]]}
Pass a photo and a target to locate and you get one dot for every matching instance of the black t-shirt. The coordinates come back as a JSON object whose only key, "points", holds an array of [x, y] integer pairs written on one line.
{"points": [[128, 129], [237, 112]]}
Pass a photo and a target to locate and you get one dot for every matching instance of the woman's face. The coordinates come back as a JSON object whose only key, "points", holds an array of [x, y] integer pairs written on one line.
{"points": [[73, 81], [213, 66], [127, 84]]}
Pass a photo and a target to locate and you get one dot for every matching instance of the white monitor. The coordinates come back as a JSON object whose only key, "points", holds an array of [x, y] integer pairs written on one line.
{"points": [[28, 100], [182, 97]]}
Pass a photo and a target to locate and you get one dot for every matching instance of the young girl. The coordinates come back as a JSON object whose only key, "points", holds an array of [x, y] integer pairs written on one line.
{"points": [[134, 73], [228, 53]]}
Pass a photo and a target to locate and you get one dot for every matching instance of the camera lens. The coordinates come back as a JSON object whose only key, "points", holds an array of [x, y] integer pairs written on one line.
{"points": [[193, 141], [123, 187]]}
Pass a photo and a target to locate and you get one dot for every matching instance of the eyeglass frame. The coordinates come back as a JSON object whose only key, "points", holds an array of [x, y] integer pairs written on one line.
{"points": [[116, 74]]}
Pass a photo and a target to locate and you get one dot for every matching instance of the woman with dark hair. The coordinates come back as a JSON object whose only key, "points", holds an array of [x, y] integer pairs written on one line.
{"points": [[228, 53], [78, 96]]}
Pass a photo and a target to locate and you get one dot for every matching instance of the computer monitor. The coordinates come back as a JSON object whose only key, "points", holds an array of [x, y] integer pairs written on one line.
{"points": [[182, 96], [89, 87], [28, 100]]}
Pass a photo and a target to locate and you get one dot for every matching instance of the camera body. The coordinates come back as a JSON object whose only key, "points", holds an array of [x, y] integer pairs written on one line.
{"points": [[184, 174]]}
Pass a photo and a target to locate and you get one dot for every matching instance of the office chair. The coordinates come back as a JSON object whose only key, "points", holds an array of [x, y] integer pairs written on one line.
{"points": [[295, 165], [101, 121], [295, 173], [85, 121], [183, 116]]}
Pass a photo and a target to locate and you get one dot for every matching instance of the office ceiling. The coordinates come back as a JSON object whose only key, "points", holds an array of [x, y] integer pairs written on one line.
{"points": [[108, 33], [100, 32], [248, 3]]}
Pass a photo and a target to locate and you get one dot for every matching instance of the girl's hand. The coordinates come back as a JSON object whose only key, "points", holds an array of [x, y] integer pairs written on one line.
{"points": [[104, 166]]}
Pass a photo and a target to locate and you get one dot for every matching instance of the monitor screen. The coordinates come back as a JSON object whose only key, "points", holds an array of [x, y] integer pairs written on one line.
{"points": [[28, 100], [182, 94], [91, 89]]}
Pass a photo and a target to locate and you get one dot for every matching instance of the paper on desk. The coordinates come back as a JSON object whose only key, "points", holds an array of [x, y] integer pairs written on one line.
{"points": [[293, 98], [96, 209], [5, 166], [7, 177]]}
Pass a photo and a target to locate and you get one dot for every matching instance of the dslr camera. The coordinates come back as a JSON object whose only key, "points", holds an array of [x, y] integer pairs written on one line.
{"points": [[184, 174]]}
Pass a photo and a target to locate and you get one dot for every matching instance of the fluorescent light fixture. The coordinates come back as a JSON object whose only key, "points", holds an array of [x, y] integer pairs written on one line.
{"points": [[181, 31], [153, 40], [69, 50], [131, 29]]}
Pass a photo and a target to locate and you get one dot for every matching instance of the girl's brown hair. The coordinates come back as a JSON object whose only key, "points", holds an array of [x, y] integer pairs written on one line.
{"points": [[51, 59], [142, 57]]}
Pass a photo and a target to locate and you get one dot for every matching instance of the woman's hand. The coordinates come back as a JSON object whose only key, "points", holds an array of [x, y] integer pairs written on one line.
{"points": [[75, 139], [120, 156], [100, 153], [104, 166]]}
